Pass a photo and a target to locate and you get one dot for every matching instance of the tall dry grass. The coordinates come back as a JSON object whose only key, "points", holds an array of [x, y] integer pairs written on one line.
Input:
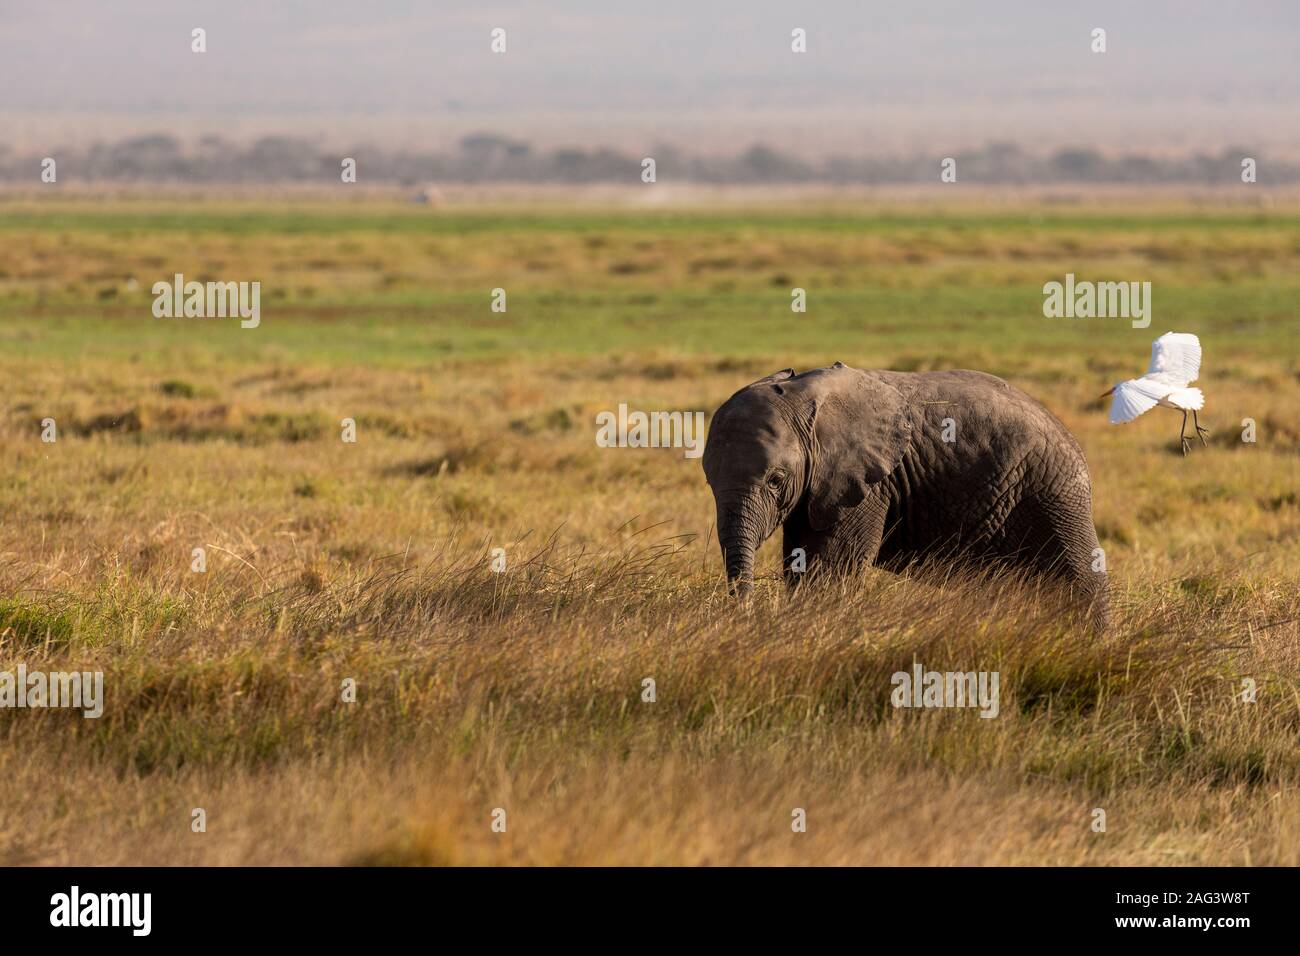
{"points": [[524, 691]]}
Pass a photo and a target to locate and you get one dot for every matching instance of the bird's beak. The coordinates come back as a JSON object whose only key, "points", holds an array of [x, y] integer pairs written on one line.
{"points": [[1110, 391]]}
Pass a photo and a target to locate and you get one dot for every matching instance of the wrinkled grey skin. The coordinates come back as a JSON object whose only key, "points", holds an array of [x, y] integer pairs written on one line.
{"points": [[852, 465]]}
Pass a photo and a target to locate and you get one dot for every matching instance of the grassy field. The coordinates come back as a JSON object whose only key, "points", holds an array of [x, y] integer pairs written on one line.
{"points": [[369, 561]]}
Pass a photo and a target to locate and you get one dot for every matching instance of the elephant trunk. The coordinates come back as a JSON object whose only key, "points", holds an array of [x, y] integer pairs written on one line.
{"points": [[740, 533], [739, 556]]}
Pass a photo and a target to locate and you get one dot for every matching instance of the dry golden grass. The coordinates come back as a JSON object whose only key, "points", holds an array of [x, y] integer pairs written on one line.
{"points": [[522, 690]]}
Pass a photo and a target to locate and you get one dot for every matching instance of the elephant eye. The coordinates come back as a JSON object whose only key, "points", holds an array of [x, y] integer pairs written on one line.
{"points": [[776, 479]]}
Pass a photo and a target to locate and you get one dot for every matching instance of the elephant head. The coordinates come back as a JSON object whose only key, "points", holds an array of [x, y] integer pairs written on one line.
{"points": [[814, 441]]}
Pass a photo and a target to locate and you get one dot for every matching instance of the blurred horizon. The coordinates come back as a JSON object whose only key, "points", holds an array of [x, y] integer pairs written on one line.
{"points": [[486, 158], [1178, 79]]}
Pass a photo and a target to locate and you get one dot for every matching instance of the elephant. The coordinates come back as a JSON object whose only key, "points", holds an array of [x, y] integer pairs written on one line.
{"points": [[868, 467]]}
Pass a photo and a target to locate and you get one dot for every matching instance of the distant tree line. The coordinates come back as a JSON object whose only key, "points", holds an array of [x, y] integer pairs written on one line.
{"points": [[487, 157]]}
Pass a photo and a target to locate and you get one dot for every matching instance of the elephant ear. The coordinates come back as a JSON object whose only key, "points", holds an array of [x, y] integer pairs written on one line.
{"points": [[775, 377], [784, 375], [861, 428]]}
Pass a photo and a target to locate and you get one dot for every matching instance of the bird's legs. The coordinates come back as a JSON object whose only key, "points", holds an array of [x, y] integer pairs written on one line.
{"points": [[1182, 436], [1201, 432]]}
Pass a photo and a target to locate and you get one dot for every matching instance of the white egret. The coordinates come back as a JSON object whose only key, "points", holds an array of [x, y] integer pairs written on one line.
{"points": [[1175, 364]]}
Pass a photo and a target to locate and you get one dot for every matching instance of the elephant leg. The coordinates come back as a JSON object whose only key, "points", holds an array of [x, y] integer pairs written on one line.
{"points": [[853, 541], [1088, 567], [1056, 538]]}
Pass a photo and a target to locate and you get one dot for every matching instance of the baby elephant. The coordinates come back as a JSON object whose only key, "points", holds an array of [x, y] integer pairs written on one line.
{"points": [[873, 467]]}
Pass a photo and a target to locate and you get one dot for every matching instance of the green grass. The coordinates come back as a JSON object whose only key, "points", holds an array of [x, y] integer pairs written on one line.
{"points": [[412, 287]]}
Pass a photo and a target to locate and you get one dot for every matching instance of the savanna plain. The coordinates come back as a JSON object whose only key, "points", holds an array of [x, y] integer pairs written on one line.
{"points": [[370, 562]]}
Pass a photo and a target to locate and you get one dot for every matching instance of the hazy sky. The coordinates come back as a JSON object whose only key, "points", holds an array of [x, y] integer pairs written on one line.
{"points": [[1176, 75]]}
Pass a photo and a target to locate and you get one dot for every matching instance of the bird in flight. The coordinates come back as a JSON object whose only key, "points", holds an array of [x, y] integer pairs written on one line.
{"points": [[1175, 364]]}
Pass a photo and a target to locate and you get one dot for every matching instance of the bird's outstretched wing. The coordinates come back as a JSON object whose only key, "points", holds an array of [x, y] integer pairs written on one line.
{"points": [[1134, 397], [1176, 358]]}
